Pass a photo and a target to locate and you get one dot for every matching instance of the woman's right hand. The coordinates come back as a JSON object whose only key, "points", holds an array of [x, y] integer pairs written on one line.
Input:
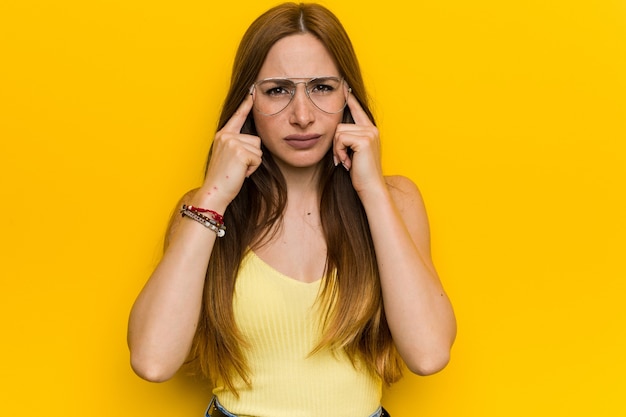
{"points": [[235, 156]]}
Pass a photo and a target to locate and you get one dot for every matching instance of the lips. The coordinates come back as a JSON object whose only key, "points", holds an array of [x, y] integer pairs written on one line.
{"points": [[302, 141]]}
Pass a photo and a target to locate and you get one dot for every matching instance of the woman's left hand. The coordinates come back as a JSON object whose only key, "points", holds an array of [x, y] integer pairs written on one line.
{"points": [[363, 139]]}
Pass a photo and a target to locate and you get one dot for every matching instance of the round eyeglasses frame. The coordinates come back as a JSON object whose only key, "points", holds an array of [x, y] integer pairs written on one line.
{"points": [[292, 92]]}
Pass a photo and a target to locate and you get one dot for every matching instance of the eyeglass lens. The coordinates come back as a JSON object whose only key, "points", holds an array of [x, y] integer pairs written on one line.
{"points": [[273, 95]]}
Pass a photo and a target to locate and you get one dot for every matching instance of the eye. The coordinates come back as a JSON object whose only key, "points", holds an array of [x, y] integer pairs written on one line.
{"points": [[276, 91], [276, 88], [323, 86]]}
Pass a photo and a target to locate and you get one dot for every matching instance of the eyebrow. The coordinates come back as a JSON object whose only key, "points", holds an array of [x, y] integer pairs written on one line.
{"points": [[299, 78]]}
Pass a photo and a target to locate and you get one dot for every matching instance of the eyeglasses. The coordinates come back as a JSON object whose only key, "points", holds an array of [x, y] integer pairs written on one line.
{"points": [[273, 95]]}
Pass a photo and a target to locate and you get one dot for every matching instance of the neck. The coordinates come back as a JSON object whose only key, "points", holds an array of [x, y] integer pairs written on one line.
{"points": [[303, 194], [301, 180]]}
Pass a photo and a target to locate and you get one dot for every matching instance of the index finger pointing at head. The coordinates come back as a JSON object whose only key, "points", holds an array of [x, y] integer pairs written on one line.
{"points": [[235, 123], [358, 114]]}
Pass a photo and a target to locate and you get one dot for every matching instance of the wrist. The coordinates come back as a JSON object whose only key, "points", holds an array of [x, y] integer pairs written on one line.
{"points": [[374, 192], [209, 199], [206, 217]]}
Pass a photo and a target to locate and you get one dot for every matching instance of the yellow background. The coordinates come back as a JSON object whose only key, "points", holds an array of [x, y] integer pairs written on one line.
{"points": [[510, 116]]}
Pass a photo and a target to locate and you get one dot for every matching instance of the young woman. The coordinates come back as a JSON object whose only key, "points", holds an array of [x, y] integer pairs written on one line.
{"points": [[298, 278]]}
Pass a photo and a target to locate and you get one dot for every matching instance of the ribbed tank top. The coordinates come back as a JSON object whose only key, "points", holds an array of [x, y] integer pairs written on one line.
{"points": [[279, 318]]}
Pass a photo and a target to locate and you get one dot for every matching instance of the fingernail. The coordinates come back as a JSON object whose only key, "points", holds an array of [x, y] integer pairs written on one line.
{"points": [[345, 166], [335, 160]]}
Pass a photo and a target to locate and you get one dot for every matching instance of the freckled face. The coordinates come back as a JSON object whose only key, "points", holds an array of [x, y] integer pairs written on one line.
{"points": [[301, 134]]}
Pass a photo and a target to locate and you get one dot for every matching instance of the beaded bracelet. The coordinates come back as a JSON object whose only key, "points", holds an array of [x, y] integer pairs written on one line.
{"points": [[217, 226]]}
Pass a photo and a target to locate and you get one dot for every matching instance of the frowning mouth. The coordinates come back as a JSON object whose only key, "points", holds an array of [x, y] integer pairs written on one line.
{"points": [[302, 141], [303, 137]]}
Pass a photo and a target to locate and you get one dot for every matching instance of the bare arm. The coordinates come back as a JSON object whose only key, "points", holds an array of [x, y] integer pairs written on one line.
{"points": [[164, 317], [418, 311]]}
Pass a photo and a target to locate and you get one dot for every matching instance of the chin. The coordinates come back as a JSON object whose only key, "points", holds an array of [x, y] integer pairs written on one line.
{"points": [[309, 161]]}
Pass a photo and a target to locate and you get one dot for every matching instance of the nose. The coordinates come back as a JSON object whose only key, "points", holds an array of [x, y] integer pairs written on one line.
{"points": [[302, 111]]}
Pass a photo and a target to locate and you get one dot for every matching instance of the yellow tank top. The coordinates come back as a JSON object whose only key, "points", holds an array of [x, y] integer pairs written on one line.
{"points": [[278, 317]]}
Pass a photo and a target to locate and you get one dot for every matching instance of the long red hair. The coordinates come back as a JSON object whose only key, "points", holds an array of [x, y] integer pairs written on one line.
{"points": [[351, 296]]}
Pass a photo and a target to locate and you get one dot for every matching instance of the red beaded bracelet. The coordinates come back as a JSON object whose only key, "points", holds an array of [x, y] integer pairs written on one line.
{"points": [[216, 216]]}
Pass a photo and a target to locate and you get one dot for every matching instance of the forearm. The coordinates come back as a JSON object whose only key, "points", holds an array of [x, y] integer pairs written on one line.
{"points": [[417, 309], [164, 317]]}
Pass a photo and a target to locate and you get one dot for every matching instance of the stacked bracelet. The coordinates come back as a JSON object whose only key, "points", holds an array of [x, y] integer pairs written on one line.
{"points": [[215, 223], [216, 216]]}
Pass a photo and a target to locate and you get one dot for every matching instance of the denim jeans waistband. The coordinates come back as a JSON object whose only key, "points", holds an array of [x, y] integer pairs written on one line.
{"points": [[380, 412]]}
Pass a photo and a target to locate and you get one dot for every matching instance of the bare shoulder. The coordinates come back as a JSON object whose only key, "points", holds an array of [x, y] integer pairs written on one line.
{"points": [[404, 192], [176, 217], [186, 198], [410, 204]]}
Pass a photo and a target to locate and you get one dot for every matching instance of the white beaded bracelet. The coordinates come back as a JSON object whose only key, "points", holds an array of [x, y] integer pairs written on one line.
{"points": [[218, 228]]}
